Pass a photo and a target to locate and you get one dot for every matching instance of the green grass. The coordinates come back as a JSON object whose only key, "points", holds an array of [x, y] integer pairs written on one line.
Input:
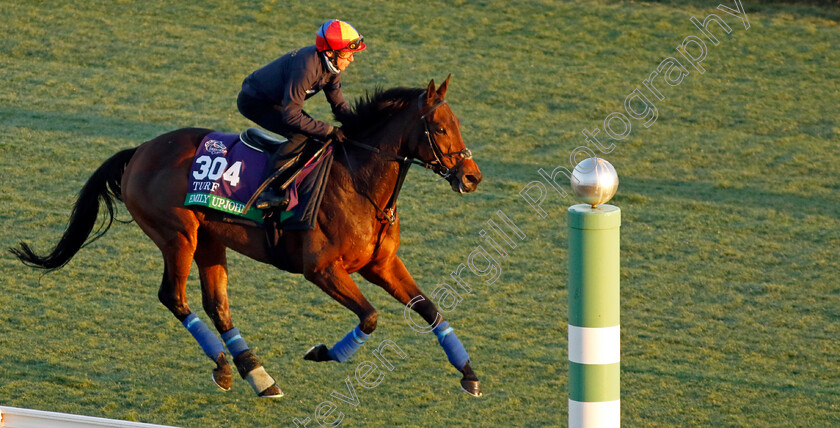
{"points": [[730, 297]]}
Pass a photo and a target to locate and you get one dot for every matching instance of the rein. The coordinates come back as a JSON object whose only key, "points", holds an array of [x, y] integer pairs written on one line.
{"points": [[388, 214], [436, 165]]}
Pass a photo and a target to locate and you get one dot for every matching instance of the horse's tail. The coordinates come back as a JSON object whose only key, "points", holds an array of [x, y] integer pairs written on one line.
{"points": [[103, 185]]}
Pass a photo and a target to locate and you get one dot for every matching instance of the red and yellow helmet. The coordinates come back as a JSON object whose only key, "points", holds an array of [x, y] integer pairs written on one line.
{"points": [[338, 35]]}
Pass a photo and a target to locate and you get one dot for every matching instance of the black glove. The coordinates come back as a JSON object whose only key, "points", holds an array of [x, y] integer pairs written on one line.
{"points": [[337, 135]]}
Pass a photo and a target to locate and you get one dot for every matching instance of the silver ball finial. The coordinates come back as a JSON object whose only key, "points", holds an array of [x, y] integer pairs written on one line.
{"points": [[594, 181]]}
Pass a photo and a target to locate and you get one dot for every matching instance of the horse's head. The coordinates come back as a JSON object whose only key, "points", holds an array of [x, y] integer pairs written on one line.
{"points": [[441, 146]]}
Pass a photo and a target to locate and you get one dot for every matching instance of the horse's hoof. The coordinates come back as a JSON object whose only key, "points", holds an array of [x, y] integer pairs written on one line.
{"points": [[318, 353], [224, 382], [472, 387], [222, 374], [272, 392], [470, 383]]}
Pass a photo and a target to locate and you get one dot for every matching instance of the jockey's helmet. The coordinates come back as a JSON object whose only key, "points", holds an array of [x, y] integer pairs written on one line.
{"points": [[335, 35]]}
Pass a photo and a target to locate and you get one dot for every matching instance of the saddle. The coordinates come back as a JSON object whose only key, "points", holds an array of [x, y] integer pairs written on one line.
{"points": [[258, 139]]}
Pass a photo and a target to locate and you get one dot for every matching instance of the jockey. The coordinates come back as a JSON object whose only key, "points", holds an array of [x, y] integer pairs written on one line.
{"points": [[273, 96]]}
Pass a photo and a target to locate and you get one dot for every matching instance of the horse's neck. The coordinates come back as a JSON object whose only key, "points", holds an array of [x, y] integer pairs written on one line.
{"points": [[375, 174]]}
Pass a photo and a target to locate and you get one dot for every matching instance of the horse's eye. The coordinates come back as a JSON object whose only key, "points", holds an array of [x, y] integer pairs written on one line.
{"points": [[441, 131]]}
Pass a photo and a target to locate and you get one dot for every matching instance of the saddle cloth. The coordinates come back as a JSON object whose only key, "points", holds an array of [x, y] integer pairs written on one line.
{"points": [[226, 173]]}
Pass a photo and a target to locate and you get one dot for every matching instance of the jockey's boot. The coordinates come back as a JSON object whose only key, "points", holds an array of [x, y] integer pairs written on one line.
{"points": [[286, 165], [277, 195]]}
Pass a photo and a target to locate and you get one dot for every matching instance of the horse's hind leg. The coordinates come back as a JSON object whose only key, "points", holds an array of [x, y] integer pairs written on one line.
{"points": [[395, 279], [177, 258], [212, 270]]}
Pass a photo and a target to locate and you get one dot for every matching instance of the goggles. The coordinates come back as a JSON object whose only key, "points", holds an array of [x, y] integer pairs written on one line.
{"points": [[354, 45]]}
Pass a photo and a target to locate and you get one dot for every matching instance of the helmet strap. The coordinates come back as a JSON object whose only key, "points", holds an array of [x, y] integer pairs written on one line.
{"points": [[330, 62]]}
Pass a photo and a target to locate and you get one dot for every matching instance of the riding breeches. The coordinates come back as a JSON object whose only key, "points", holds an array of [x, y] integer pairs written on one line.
{"points": [[266, 114]]}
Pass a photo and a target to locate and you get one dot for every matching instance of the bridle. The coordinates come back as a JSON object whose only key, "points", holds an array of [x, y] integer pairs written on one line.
{"points": [[437, 165], [387, 215]]}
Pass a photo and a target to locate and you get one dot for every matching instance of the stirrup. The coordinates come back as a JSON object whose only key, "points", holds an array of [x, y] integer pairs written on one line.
{"points": [[270, 199]]}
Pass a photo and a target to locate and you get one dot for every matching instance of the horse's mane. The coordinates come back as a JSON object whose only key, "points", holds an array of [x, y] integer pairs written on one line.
{"points": [[371, 110]]}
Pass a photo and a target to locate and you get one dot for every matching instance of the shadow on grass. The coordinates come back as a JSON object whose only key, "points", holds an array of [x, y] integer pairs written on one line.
{"points": [[826, 9], [754, 197], [699, 378], [701, 191], [88, 123]]}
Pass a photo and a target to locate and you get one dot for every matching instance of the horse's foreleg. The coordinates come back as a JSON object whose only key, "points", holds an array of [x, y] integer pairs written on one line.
{"points": [[212, 270], [336, 282], [395, 279]]}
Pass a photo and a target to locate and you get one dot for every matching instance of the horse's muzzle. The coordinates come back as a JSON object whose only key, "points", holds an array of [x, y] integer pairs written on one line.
{"points": [[466, 179]]}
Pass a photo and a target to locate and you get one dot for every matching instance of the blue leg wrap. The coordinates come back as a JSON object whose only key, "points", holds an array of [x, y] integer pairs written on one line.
{"points": [[346, 347], [234, 341], [455, 351], [211, 344]]}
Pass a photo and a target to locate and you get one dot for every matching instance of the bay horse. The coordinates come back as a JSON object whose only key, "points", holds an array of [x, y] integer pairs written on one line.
{"points": [[357, 227]]}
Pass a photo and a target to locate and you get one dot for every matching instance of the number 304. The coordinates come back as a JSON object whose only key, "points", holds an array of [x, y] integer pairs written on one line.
{"points": [[213, 168]]}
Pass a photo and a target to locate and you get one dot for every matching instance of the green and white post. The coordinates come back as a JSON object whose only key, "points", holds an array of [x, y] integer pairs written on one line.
{"points": [[594, 339]]}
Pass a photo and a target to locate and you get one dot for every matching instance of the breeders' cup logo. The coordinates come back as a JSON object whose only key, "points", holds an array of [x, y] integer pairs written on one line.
{"points": [[215, 147]]}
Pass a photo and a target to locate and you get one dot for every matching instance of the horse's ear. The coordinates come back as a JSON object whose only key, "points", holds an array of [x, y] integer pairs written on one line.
{"points": [[430, 91], [442, 90]]}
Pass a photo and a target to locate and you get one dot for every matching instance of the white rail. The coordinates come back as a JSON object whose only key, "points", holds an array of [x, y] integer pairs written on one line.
{"points": [[12, 417]]}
